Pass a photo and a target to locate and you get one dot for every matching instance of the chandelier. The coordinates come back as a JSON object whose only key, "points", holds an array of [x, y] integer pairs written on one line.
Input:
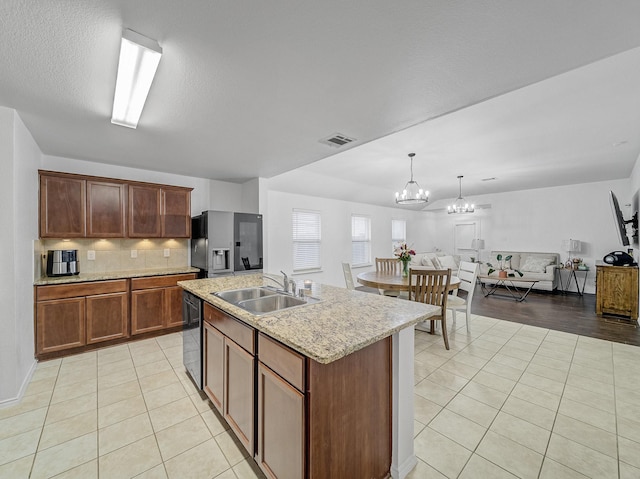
{"points": [[412, 193], [460, 205]]}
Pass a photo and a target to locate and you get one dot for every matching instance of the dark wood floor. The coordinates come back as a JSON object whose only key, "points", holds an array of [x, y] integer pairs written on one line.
{"points": [[570, 312]]}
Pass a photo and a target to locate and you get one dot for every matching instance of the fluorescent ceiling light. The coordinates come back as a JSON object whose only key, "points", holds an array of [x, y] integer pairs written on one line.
{"points": [[139, 58]]}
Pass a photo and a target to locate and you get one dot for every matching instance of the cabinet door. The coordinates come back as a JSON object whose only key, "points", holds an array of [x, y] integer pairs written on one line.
{"points": [[238, 404], [619, 290], [60, 324], [62, 207], [106, 209], [280, 427], [107, 317], [173, 306], [176, 213], [213, 361], [144, 211], [147, 310]]}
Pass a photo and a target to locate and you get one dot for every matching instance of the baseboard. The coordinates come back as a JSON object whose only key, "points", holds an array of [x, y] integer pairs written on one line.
{"points": [[405, 468], [23, 388]]}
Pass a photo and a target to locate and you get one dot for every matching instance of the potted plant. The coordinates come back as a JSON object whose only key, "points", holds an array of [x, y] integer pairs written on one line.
{"points": [[501, 267], [404, 254]]}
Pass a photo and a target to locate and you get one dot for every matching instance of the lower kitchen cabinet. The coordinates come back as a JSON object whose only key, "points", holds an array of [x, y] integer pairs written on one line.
{"points": [[229, 371], [107, 317], [156, 302], [60, 324]]}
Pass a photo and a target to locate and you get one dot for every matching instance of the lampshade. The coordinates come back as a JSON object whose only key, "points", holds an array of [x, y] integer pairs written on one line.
{"points": [[571, 246], [477, 244], [460, 205], [412, 193], [139, 58]]}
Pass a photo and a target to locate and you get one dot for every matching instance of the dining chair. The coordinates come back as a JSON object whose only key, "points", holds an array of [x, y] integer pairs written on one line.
{"points": [[245, 262], [388, 266], [348, 277], [468, 273], [432, 287]]}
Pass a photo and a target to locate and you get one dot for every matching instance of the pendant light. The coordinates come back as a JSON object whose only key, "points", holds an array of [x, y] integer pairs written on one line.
{"points": [[460, 205], [412, 193]]}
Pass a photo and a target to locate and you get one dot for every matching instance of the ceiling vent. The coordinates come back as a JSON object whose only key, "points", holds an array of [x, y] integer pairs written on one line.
{"points": [[338, 140]]}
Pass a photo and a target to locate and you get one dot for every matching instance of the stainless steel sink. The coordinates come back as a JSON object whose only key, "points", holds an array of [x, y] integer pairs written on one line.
{"points": [[263, 300], [236, 295]]}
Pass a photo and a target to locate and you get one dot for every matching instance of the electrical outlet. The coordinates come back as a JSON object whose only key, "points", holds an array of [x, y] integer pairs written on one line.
{"points": [[91, 255], [134, 253], [167, 252]]}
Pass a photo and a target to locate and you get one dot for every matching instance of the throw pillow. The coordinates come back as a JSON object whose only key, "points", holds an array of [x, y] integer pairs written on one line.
{"points": [[446, 262], [536, 264], [426, 262]]}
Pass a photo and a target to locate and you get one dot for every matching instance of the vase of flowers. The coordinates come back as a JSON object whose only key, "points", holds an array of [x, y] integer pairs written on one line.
{"points": [[504, 263], [404, 254]]}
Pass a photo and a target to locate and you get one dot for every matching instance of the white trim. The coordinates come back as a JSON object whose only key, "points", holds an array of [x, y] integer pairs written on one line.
{"points": [[23, 388]]}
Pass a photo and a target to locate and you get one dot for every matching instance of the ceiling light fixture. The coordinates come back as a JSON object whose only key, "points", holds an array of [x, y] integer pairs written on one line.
{"points": [[461, 205], [412, 193], [139, 58]]}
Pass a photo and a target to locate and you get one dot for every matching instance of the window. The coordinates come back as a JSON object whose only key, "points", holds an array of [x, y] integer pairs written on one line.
{"points": [[398, 233], [360, 240], [306, 240]]}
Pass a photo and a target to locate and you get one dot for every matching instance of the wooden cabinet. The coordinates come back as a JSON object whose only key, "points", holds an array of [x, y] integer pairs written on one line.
{"points": [[77, 206], [60, 324], [229, 378], [62, 206], [281, 413], [156, 302], [106, 209], [73, 315], [617, 291], [176, 213], [144, 211]]}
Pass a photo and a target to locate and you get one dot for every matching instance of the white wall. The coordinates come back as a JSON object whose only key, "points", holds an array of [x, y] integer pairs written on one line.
{"points": [[539, 219], [336, 233], [20, 158]]}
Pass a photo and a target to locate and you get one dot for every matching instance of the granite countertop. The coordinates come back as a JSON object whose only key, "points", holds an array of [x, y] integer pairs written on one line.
{"points": [[342, 323], [79, 278]]}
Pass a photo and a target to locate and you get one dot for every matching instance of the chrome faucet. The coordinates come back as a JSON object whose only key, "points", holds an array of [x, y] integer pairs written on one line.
{"points": [[285, 281], [287, 285]]}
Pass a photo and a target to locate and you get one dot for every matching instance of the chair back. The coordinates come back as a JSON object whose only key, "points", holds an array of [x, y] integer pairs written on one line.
{"points": [[388, 265], [348, 277], [431, 287], [468, 273]]}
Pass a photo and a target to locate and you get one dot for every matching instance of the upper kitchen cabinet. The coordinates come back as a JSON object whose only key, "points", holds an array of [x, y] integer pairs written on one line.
{"points": [[79, 206], [176, 213], [62, 206], [144, 211], [106, 209]]}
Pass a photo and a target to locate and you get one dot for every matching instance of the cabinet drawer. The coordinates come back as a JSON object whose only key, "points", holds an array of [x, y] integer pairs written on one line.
{"points": [[232, 328], [282, 360], [160, 281], [74, 290]]}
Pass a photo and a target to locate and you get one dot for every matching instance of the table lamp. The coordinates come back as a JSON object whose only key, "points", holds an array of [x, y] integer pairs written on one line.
{"points": [[571, 246], [477, 244]]}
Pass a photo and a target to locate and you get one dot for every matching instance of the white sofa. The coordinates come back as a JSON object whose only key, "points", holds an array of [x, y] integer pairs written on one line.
{"points": [[438, 260], [535, 266]]}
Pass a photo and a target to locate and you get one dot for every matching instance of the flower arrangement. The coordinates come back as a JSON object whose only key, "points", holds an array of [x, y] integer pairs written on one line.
{"points": [[404, 254], [502, 266]]}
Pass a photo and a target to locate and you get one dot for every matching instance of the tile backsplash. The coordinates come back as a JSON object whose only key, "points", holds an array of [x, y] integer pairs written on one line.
{"points": [[116, 254]]}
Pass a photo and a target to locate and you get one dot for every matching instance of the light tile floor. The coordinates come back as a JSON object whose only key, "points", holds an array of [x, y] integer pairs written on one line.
{"points": [[508, 400]]}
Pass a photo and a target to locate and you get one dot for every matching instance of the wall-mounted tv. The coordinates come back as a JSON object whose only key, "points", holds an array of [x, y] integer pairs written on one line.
{"points": [[621, 223]]}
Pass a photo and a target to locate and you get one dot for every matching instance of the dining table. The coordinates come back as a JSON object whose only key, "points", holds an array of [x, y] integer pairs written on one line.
{"points": [[394, 282]]}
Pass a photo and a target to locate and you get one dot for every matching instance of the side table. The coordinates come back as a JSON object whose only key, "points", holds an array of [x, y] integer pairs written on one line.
{"points": [[572, 275]]}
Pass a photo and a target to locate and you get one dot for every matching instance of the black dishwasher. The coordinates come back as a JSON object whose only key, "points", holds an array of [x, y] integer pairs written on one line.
{"points": [[192, 336]]}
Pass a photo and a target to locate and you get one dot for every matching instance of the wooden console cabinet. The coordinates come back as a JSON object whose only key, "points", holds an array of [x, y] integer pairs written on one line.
{"points": [[617, 290], [308, 416]]}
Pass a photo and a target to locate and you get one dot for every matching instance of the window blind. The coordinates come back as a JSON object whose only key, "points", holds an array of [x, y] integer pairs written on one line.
{"points": [[398, 233], [360, 240], [306, 240]]}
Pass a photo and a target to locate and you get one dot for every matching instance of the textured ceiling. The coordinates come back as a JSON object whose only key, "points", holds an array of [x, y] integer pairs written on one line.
{"points": [[247, 88]]}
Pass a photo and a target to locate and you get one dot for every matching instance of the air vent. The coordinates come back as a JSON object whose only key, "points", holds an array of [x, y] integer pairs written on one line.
{"points": [[489, 179], [338, 140]]}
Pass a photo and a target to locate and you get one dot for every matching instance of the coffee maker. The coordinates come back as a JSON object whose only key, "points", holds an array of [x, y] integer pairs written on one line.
{"points": [[62, 262]]}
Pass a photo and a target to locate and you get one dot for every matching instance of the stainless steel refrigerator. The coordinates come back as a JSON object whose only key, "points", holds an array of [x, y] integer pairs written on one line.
{"points": [[224, 242]]}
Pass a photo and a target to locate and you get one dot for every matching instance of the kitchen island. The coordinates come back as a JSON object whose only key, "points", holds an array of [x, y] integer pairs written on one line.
{"points": [[319, 390]]}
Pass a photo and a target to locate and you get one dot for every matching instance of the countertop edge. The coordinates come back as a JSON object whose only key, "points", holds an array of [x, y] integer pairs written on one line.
{"points": [[105, 276]]}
